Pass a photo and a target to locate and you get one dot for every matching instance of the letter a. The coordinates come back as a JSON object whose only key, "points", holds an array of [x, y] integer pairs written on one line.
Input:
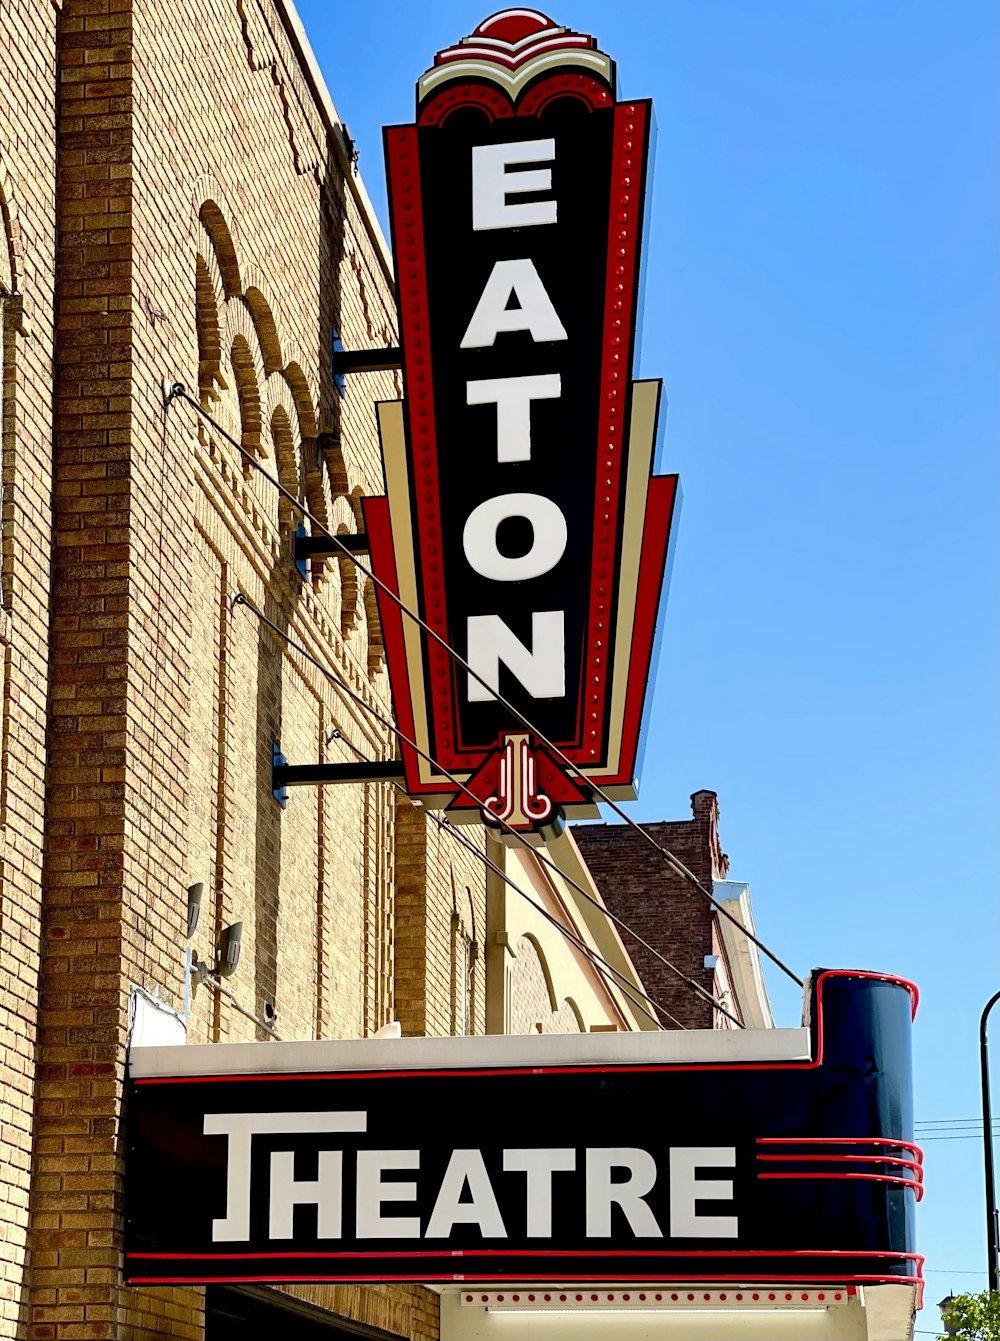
{"points": [[533, 313]]}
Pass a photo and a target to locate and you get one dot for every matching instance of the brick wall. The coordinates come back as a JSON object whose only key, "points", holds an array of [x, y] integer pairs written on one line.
{"points": [[533, 1009], [638, 886], [440, 903], [203, 228], [27, 194], [176, 204]]}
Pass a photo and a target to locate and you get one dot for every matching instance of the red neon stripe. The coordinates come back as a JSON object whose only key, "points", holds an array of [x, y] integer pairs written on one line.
{"points": [[459, 1277], [610, 1069], [383, 561], [842, 1140], [528, 1252], [869, 1177], [583, 1068], [911, 987], [618, 328], [406, 205], [851, 1159], [661, 502]]}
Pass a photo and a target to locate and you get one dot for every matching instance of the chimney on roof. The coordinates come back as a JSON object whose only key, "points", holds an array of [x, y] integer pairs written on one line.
{"points": [[705, 808]]}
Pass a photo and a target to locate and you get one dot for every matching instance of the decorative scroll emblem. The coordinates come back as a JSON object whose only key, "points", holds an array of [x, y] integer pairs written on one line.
{"points": [[520, 516]]}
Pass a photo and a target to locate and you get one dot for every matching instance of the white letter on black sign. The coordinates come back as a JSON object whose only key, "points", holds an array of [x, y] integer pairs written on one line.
{"points": [[372, 1192], [241, 1128], [602, 1193], [539, 1165], [685, 1190], [533, 313], [542, 670], [466, 1166], [492, 183], [513, 396], [324, 1193], [548, 537]]}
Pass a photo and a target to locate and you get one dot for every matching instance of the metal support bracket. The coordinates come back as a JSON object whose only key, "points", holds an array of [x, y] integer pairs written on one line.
{"points": [[365, 360], [286, 775], [306, 547], [301, 560], [278, 762], [337, 347], [344, 361]]}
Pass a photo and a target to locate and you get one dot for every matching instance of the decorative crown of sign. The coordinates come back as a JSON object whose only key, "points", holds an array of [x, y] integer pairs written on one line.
{"points": [[512, 49]]}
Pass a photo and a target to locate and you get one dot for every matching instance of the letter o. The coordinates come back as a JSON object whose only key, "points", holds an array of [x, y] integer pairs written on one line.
{"points": [[548, 544]]}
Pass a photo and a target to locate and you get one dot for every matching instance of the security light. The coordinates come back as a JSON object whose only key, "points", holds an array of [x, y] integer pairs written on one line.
{"points": [[194, 906], [228, 949]]}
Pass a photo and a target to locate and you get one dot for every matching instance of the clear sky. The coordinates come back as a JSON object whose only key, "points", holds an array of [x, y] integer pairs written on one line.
{"points": [[820, 304]]}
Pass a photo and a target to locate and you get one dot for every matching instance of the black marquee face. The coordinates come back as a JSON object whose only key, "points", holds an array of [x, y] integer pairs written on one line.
{"points": [[800, 1171], [521, 518]]}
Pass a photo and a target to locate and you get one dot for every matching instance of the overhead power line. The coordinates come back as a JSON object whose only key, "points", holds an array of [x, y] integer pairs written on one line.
{"points": [[953, 1122], [177, 390]]}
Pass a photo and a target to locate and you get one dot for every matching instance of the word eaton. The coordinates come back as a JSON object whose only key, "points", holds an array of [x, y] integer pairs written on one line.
{"points": [[514, 299], [619, 1176]]}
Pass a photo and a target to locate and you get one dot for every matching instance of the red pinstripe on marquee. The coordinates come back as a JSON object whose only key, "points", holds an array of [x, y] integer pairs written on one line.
{"points": [[852, 1159], [843, 1140], [528, 1252]]}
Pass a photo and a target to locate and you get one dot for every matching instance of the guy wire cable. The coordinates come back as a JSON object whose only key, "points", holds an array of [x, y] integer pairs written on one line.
{"points": [[445, 826], [334, 678], [178, 390], [240, 599], [674, 862]]}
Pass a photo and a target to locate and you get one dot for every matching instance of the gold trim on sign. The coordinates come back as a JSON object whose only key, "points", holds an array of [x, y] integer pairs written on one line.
{"points": [[642, 441], [392, 435]]}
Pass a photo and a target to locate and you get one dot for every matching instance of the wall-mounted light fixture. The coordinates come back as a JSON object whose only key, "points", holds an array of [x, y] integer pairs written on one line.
{"points": [[194, 906], [229, 949], [227, 955]]}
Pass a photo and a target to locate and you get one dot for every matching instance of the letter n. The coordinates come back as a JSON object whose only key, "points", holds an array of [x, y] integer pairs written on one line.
{"points": [[541, 669]]}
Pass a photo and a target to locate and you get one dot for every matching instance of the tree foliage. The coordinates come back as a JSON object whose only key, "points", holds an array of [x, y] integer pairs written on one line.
{"points": [[974, 1317]]}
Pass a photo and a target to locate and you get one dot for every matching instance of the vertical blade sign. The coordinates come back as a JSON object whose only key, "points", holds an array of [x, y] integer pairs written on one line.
{"points": [[521, 519]]}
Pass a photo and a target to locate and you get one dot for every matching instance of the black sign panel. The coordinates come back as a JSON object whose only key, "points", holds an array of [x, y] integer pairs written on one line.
{"points": [[522, 517], [799, 1171], [569, 258]]}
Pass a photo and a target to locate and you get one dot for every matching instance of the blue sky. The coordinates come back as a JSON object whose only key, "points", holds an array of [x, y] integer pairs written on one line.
{"points": [[820, 303]]}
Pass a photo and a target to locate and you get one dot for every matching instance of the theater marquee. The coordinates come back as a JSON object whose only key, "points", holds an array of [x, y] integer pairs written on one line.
{"points": [[750, 1156], [521, 519]]}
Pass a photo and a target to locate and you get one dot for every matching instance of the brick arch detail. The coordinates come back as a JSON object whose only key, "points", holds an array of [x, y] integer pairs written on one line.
{"points": [[251, 415], [266, 326], [286, 461], [534, 1002], [274, 397], [376, 645], [220, 236], [238, 316], [569, 1004], [543, 965], [11, 274], [299, 386], [208, 320]]}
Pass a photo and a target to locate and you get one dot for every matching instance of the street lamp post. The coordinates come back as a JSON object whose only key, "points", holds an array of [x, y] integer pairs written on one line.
{"points": [[991, 1192]]}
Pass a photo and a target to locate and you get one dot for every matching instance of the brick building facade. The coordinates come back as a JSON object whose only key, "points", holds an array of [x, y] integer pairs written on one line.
{"points": [[178, 201], [676, 921]]}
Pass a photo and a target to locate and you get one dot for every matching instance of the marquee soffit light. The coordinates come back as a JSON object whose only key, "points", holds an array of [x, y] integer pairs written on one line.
{"points": [[754, 1299]]}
